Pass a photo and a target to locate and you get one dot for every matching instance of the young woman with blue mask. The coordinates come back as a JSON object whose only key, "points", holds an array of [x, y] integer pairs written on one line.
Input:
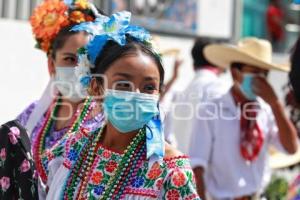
{"points": [[127, 157]]}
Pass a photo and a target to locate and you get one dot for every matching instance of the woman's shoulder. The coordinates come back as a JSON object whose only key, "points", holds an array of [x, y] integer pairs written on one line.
{"points": [[175, 159]]}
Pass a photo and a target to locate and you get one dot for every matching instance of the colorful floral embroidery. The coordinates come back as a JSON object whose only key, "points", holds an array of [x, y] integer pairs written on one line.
{"points": [[97, 178], [5, 183], [155, 172], [17, 179], [3, 154], [111, 166], [170, 180], [178, 179], [25, 166], [13, 135]]}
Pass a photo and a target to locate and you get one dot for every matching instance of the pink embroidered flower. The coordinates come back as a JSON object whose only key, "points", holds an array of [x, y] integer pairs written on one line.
{"points": [[111, 166], [97, 178], [3, 154], [173, 195], [154, 172], [191, 197], [25, 166], [106, 154], [5, 183], [171, 164], [178, 178], [14, 134], [35, 174]]}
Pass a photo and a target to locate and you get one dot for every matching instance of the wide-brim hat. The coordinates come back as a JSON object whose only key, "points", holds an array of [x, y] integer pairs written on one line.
{"points": [[280, 160], [252, 51]]}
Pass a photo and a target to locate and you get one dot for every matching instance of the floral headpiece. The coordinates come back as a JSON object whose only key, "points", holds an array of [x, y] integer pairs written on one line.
{"points": [[102, 30], [53, 15]]}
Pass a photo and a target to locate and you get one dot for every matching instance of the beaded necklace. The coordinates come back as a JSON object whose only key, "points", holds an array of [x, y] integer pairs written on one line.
{"points": [[81, 172], [39, 144]]}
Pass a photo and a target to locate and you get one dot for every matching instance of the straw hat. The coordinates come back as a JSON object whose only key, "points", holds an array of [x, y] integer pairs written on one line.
{"points": [[164, 51], [252, 51], [280, 160]]}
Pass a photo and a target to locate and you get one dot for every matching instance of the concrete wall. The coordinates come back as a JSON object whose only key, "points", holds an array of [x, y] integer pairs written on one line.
{"points": [[23, 71]]}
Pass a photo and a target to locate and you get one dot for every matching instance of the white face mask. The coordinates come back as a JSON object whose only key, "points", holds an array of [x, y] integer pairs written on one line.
{"points": [[67, 84]]}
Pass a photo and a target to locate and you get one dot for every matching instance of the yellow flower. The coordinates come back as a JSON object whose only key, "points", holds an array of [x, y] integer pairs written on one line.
{"points": [[82, 4], [77, 16]]}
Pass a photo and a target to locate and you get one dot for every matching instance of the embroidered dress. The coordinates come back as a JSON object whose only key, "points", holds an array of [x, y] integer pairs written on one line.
{"points": [[54, 135], [171, 179], [17, 177]]}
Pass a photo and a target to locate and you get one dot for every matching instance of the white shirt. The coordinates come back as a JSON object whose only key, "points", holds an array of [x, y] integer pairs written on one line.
{"points": [[205, 85], [215, 146]]}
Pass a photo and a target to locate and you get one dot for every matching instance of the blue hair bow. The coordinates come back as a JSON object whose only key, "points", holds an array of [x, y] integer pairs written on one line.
{"points": [[113, 28]]}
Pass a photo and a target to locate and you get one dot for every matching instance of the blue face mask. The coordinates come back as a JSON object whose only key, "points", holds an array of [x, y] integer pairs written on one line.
{"points": [[246, 87], [129, 111]]}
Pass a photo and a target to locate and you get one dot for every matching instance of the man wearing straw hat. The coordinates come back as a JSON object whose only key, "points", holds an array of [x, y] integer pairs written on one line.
{"points": [[231, 136]]}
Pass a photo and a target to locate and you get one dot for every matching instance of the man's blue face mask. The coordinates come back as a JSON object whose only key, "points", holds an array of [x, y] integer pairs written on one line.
{"points": [[129, 111], [247, 87]]}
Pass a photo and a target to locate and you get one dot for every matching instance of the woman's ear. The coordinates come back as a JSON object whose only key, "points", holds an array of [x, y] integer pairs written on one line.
{"points": [[51, 67], [96, 89]]}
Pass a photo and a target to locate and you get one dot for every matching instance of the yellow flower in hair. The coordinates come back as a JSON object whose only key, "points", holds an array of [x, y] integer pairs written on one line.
{"points": [[77, 16], [82, 4]]}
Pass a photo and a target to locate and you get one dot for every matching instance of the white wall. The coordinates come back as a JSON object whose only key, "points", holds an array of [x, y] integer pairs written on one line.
{"points": [[23, 69]]}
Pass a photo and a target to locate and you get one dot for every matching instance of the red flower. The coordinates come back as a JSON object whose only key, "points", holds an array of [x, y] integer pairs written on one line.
{"points": [[173, 195], [171, 165], [159, 183], [178, 178], [111, 166], [154, 172], [106, 154], [97, 178]]}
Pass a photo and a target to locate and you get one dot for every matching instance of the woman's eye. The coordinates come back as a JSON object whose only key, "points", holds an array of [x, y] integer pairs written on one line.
{"points": [[70, 59], [124, 85], [150, 88]]}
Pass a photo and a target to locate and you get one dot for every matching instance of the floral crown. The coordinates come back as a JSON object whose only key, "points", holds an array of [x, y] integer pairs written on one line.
{"points": [[102, 30], [53, 15]]}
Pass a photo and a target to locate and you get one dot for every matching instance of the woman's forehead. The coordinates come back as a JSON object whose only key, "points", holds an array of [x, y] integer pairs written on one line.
{"points": [[136, 64]]}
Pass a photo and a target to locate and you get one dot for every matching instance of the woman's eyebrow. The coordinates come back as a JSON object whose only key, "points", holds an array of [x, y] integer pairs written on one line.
{"points": [[69, 54], [151, 78]]}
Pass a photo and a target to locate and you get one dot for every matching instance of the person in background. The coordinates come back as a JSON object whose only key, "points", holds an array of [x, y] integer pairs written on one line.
{"points": [[231, 137], [293, 96], [293, 101], [205, 85], [64, 107], [275, 23]]}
